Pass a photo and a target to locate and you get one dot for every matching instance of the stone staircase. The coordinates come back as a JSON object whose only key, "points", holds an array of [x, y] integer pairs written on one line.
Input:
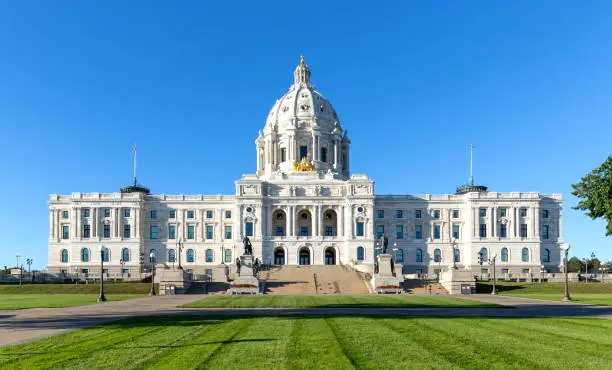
{"points": [[313, 280], [198, 287], [417, 287]]}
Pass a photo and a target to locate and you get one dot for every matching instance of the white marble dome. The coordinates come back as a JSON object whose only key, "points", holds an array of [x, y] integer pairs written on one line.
{"points": [[302, 104]]}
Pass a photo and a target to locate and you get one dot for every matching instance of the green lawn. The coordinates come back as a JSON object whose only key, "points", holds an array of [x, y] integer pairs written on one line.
{"points": [[591, 293], [15, 297], [344, 342], [302, 301], [22, 301]]}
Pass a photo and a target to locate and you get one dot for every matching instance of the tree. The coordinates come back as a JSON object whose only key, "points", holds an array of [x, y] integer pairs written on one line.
{"points": [[574, 265], [595, 193]]}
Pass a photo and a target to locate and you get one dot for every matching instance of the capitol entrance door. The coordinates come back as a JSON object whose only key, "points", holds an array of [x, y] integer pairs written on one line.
{"points": [[304, 256], [279, 256], [330, 256]]}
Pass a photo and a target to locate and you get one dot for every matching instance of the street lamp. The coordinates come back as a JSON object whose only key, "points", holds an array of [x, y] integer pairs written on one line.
{"points": [[494, 292], [101, 297], [565, 248], [152, 261], [542, 273], [29, 262], [122, 263], [18, 256], [180, 248], [454, 245]]}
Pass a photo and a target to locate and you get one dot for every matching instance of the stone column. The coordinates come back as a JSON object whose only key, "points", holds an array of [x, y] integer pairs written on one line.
{"points": [[475, 222], [335, 154], [536, 228], [341, 222], [51, 218], [514, 222], [314, 147], [116, 222], [78, 222], [136, 212], [494, 221], [560, 224]]}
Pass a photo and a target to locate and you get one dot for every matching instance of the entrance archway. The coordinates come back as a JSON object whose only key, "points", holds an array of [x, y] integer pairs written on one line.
{"points": [[279, 256], [304, 256], [330, 256]]}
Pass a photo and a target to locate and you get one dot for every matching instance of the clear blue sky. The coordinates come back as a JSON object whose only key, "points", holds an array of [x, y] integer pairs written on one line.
{"points": [[529, 83]]}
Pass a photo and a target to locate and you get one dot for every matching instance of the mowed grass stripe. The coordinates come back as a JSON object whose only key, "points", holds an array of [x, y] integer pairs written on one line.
{"points": [[483, 346], [372, 345], [225, 338], [553, 349]]}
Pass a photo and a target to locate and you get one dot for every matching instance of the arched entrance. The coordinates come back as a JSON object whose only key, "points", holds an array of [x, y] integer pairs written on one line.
{"points": [[304, 256], [279, 256], [330, 256]]}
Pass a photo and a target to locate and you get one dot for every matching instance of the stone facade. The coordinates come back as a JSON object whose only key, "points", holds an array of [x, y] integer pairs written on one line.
{"points": [[303, 206]]}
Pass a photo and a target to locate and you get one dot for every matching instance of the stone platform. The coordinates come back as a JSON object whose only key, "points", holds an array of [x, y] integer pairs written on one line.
{"points": [[386, 281], [246, 282]]}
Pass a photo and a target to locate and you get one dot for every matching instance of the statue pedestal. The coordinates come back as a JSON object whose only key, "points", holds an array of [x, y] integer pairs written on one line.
{"points": [[385, 281], [246, 282]]}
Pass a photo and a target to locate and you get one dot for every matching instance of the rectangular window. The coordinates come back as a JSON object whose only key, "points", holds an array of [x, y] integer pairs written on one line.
{"points": [[324, 155], [248, 228], [190, 214], [304, 231], [502, 230], [399, 213], [127, 231], [171, 231], [228, 232], [303, 151], [283, 153], [126, 212], [418, 231], [504, 271], [523, 230], [228, 214], [525, 271], [65, 232], [380, 231], [418, 213], [106, 212], [172, 213], [329, 231], [65, 214], [455, 231], [280, 231], [523, 212], [209, 214], [106, 233], [436, 232], [125, 271], [190, 232], [86, 212], [455, 213], [482, 212], [380, 213], [86, 231], [483, 230], [545, 213], [544, 232], [436, 214], [502, 212], [209, 232], [359, 228], [153, 214], [399, 231], [153, 232]]}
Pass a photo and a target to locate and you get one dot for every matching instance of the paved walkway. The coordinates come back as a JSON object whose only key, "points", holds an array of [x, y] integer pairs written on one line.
{"points": [[24, 325]]}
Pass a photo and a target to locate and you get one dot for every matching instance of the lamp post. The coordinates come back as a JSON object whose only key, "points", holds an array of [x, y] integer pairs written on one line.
{"points": [[152, 261], [179, 245], [122, 263], [565, 248], [18, 256], [494, 292], [29, 262], [101, 297], [454, 245], [542, 273], [586, 269]]}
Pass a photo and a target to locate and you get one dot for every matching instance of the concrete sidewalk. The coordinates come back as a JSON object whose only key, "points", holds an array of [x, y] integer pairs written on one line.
{"points": [[24, 325]]}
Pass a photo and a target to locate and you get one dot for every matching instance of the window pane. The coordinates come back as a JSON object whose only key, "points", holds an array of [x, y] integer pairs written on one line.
{"points": [[249, 229], [359, 228]]}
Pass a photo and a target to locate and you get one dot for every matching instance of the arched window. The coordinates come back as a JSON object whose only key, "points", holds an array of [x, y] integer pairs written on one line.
{"points": [[84, 255], [209, 255], [190, 255], [484, 254], [437, 255], [399, 256], [228, 255], [419, 255], [171, 255], [125, 255], [525, 255], [457, 255], [360, 254], [546, 257], [105, 254], [504, 255], [64, 256]]}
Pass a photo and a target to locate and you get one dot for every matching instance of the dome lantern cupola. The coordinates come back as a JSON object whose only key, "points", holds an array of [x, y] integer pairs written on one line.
{"points": [[302, 72]]}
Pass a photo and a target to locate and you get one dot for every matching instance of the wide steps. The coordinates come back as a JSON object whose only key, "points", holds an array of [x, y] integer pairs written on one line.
{"points": [[327, 279]]}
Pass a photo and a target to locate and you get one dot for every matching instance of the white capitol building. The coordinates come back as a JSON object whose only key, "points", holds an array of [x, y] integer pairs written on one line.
{"points": [[303, 206]]}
